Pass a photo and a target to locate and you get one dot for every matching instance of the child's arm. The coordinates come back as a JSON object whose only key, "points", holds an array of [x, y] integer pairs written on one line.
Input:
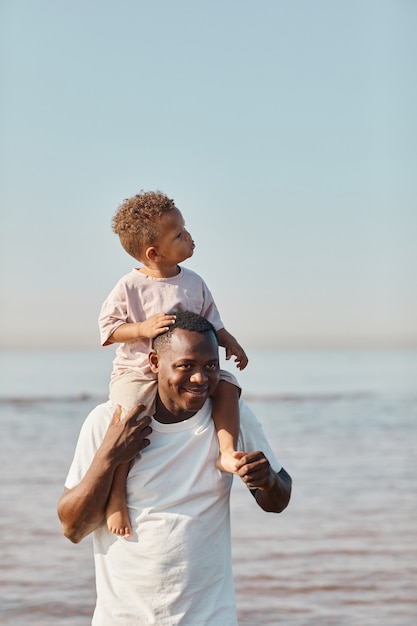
{"points": [[232, 348], [150, 328]]}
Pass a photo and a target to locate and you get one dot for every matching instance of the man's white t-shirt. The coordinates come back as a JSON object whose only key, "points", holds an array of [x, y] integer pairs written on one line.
{"points": [[176, 567]]}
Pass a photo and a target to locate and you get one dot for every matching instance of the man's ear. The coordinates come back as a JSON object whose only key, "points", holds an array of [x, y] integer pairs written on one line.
{"points": [[153, 361], [151, 253]]}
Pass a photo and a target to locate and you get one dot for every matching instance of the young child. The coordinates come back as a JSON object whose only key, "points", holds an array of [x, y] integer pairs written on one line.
{"points": [[141, 306]]}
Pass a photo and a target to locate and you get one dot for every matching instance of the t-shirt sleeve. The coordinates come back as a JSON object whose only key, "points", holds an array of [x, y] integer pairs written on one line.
{"points": [[252, 436], [113, 313], [210, 310], [91, 435]]}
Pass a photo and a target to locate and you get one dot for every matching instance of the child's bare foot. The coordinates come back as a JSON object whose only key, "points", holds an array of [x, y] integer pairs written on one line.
{"points": [[118, 521], [227, 460]]}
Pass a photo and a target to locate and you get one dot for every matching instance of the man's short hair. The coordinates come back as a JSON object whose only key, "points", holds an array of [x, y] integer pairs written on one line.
{"points": [[185, 320]]}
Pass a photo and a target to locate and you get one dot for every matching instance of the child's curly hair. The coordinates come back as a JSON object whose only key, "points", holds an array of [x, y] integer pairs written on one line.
{"points": [[136, 221]]}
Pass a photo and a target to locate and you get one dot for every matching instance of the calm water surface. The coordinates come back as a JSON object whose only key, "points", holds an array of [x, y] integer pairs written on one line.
{"points": [[343, 554]]}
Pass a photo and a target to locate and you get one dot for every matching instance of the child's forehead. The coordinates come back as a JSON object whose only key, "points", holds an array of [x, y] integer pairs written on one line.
{"points": [[173, 219]]}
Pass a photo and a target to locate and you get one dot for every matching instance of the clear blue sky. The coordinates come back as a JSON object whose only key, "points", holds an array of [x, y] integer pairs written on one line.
{"points": [[284, 130]]}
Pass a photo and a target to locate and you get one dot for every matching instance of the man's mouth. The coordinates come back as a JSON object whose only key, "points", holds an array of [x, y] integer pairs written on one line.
{"points": [[198, 393]]}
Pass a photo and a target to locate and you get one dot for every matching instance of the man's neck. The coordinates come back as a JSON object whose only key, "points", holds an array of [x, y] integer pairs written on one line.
{"points": [[164, 416]]}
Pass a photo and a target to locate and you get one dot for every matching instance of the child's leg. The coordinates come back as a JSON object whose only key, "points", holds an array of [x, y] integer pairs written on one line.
{"points": [[117, 514], [227, 421], [127, 390]]}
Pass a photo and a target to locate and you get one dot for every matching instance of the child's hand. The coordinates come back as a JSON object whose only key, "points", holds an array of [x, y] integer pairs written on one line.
{"points": [[235, 349], [156, 325]]}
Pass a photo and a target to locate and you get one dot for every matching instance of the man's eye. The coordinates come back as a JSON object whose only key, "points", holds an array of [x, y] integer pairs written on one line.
{"points": [[212, 366]]}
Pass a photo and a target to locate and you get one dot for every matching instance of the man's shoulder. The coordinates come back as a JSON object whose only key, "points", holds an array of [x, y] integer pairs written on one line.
{"points": [[99, 418], [252, 436], [250, 426], [101, 410], [247, 416], [90, 438]]}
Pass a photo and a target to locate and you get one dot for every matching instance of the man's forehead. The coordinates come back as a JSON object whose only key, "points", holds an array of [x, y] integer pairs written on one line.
{"points": [[186, 342]]}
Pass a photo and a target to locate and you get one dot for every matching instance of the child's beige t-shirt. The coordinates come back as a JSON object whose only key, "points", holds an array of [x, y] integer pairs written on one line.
{"points": [[137, 296]]}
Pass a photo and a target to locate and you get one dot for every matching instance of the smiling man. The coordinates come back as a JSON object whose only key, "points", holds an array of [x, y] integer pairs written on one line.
{"points": [[175, 569]]}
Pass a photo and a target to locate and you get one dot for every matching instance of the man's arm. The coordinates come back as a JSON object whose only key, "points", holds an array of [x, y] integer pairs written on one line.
{"points": [[82, 508], [272, 490]]}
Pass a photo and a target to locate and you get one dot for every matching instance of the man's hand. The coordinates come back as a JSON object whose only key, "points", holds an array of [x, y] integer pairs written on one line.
{"points": [[255, 470], [272, 491], [125, 438]]}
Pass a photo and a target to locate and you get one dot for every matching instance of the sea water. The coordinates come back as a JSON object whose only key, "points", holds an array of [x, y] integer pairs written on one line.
{"points": [[344, 553]]}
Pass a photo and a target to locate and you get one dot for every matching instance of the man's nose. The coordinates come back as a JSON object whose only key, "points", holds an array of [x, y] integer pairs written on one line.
{"points": [[198, 376]]}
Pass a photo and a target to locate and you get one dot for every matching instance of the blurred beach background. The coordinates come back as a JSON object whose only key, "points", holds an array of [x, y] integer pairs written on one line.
{"points": [[286, 133], [344, 553]]}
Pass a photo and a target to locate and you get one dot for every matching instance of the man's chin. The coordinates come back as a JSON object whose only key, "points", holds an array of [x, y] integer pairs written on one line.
{"points": [[194, 402]]}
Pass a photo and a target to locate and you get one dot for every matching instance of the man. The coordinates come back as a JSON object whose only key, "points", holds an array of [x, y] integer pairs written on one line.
{"points": [[176, 566]]}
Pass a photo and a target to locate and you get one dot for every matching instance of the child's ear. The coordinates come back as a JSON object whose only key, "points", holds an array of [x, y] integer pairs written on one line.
{"points": [[151, 253]]}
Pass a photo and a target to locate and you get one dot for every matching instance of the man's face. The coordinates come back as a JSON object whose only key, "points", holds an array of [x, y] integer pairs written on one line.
{"points": [[188, 371]]}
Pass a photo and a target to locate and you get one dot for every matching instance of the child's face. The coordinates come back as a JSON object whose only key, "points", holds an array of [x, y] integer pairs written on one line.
{"points": [[175, 243]]}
